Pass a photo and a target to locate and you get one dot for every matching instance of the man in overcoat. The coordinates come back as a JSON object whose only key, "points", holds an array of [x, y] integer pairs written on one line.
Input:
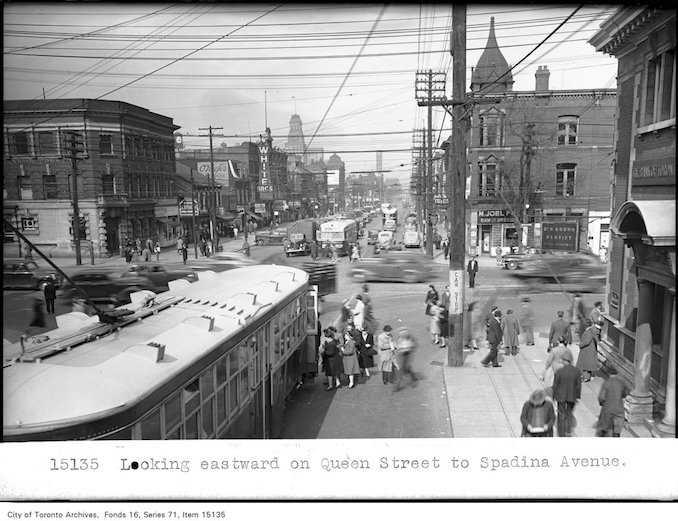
{"points": [[560, 327], [494, 335], [472, 269], [511, 331], [611, 399], [566, 392]]}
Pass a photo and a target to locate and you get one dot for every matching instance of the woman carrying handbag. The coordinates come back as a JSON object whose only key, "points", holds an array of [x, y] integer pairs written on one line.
{"points": [[349, 354]]}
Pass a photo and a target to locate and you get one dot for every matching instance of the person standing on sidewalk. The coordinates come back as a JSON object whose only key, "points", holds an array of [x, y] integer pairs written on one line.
{"points": [[472, 269], [494, 335], [566, 392], [434, 325], [596, 313], [184, 252], [332, 364], [157, 251], [537, 416], [349, 356], [554, 361], [405, 347], [386, 351], [511, 332], [365, 344], [611, 399], [314, 250], [527, 321], [180, 245], [50, 296], [578, 315], [560, 327], [587, 361], [431, 296]]}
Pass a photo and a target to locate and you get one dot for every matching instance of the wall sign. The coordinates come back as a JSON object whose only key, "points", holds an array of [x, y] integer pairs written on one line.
{"points": [[494, 216], [560, 236], [659, 171]]}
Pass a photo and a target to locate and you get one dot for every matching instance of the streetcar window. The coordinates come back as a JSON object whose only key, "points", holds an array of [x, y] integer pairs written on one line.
{"points": [[233, 361], [192, 427], [222, 371], [244, 382], [174, 435], [207, 382], [150, 426], [207, 418], [233, 387], [222, 405], [172, 412], [244, 355], [124, 434], [192, 396]]}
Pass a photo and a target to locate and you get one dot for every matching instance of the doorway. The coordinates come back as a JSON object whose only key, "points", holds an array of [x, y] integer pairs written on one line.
{"points": [[485, 236]]}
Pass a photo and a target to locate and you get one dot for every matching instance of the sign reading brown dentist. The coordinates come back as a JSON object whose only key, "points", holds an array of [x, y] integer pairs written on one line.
{"points": [[560, 236]]}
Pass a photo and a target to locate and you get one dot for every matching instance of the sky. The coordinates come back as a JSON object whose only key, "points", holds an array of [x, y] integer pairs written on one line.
{"points": [[348, 70]]}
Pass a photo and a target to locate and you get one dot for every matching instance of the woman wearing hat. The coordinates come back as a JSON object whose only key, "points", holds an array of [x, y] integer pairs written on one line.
{"points": [[587, 361], [538, 416], [386, 351], [349, 356], [331, 358]]}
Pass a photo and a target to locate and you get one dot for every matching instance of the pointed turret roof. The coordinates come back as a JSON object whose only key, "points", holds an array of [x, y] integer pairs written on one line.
{"points": [[491, 67]]}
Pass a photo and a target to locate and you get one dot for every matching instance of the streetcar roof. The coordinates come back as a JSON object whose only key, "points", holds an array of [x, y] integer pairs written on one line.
{"points": [[336, 225], [119, 369]]}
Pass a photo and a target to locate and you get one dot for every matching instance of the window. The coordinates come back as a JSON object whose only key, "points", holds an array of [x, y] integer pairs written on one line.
{"points": [[25, 187], [660, 88], [28, 224], [565, 179], [491, 131], [567, 130], [105, 144], [19, 143], [49, 185], [45, 144], [489, 180]]}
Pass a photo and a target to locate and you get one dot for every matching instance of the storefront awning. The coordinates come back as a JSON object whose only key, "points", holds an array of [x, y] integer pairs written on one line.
{"points": [[227, 216], [255, 215], [654, 222]]}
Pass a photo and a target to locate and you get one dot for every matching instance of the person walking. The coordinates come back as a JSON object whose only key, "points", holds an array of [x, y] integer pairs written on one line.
{"points": [[578, 315], [566, 392], [180, 245], [560, 327], [472, 269], [157, 251], [405, 347], [587, 361], [527, 321], [149, 244], [469, 327], [129, 253], [50, 296], [366, 351], [431, 295], [596, 314], [511, 332], [434, 325], [331, 358], [314, 250], [554, 361], [611, 399], [355, 255], [202, 245], [386, 351], [146, 254], [137, 243], [208, 248], [444, 301], [537, 416], [369, 322], [358, 313], [37, 323], [494, 336], [349, 354], [446, 247], [184, 252]]}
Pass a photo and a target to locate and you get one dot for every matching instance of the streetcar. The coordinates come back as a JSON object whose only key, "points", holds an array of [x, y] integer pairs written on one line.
{"points": [[215, 358], [341, 233]]}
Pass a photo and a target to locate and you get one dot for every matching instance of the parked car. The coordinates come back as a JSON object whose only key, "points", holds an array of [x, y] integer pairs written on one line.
{"points": [[104, 286], [514, 261], [26, 274], [391, 266], [582, 272], [159, 274], [264, 238]]}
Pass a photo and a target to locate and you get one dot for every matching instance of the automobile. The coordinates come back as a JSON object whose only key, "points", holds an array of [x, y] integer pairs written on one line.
{"points": [[391, 266], [372, 237], [26, 274], [582, 272], [104, 286], [222, 261], [159, 274], [411, 239], [386, 240], [267, 237], [513, 261], [297, 243]]}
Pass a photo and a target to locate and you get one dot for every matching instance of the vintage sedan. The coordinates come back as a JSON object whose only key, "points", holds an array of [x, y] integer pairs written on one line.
{"points": [[26, 274], [104, 286], [515, 260], [159, 274], [391, 266], [267, 237], [222, 261], [581, 272]]}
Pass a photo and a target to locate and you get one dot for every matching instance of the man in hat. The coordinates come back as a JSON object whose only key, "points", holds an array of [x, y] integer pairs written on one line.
{"points": [[494, 335], [537, 416], [472, 269], [358, 313], [566, 392], [560, 327], [587, 361], [611, 399]]}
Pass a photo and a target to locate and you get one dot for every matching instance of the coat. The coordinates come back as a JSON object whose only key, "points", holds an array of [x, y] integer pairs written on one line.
{"points": [[349, 357], [472, 266], [588, 350], [560, 328], [610, 397], [510, 330], [436, 313], [364, 341], [332, 365], [494, 333], [554, 362], [358, 313], [567, 384], [386, 351], [546, 409]]}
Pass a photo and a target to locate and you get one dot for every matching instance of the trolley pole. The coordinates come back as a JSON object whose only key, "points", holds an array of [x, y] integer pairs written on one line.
{"points": [[457, 183]]}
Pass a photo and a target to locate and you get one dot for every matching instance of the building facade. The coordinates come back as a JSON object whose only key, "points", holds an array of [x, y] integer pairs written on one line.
{"points": [[539, 161], [124, 169], [639, 336]]}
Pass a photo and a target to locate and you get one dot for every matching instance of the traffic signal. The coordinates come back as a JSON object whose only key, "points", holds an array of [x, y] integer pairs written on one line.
{"points": [[74, 142]]}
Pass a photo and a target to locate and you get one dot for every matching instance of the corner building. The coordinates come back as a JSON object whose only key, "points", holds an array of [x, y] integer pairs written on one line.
{"points": [[539, 161], [639, 336]]}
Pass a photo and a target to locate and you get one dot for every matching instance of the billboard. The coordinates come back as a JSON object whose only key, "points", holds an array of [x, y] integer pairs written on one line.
{"points": [[560, 236], [222, 172], [332, 177]]}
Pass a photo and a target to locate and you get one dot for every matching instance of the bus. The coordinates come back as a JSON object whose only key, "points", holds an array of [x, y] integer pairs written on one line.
{"points": [[342, 233], [215, 358], [390, 213]]}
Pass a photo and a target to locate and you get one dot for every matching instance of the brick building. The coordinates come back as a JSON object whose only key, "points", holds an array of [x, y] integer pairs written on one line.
{"points": [[536, 159], [639, 336], [125, 173]]}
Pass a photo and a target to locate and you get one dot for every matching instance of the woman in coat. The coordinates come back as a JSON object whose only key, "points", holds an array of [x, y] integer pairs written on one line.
{"points": [[364, 342], [554, 362], [431, 295], [434, 326], [587, 361], [349, 357], [538, 416], [332, 363], [511, 331], [386, 351]]}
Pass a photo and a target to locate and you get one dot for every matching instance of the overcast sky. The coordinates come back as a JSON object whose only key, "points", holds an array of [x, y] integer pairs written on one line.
{"points": [[347, 70]]}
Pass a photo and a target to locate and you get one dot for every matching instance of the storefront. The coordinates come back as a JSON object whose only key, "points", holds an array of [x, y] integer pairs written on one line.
{"points": [[496, 229]]}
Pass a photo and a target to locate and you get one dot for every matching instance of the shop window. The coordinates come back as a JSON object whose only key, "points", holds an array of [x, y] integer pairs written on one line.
{"points": [[105, 144], [660, 88], [49, 186], [565, 174], [19, 143], [568, 126], [150, 426], [45, 143]]}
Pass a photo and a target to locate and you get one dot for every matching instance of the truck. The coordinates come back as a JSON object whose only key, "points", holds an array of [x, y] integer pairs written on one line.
{"points": [[299, 236], [386, 240], [390, 225]]}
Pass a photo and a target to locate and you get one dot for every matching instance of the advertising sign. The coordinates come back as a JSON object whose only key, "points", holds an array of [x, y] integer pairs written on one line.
{"points": [[494, 216], [259, 208], [185, 207], [221, 172], [560, 236], [655, 171]]}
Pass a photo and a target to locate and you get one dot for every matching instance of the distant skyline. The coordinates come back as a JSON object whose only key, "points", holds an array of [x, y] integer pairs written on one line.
{"points": [[347, 70]]}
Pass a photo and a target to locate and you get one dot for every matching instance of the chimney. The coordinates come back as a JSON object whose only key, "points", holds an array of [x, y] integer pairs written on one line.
{"points": [[542, 78]]}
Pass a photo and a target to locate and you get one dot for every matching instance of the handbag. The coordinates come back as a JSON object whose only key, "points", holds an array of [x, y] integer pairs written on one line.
{"points": [[371, 352]]}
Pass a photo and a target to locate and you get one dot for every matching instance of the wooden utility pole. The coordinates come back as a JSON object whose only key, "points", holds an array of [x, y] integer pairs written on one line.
{"points": [[195, 238], [213, 192], [429, 170], [74, 146], [457, 184]]}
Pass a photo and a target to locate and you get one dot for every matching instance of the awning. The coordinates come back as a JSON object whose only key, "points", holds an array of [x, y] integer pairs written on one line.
{"points": [[653, 222], [255, 215], [227, 216]]}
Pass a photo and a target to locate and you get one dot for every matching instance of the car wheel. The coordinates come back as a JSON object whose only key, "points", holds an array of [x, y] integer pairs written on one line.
{"points": [[259, 242], [287, 254], [411, 277], [512, 265]]}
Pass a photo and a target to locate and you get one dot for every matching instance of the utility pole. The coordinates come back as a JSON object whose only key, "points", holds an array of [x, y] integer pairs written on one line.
{"points": [[213, 192], [195, 239], [457, 183], [74, 146]]}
